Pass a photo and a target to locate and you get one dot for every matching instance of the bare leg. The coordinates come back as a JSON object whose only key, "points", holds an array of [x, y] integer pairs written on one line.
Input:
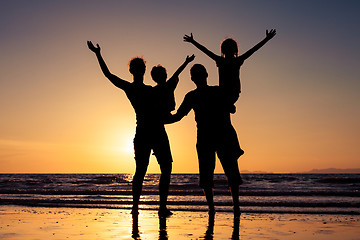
{"points": [[235, 196], [209, 194], [137, 187], [232, 172], [164, 188]]}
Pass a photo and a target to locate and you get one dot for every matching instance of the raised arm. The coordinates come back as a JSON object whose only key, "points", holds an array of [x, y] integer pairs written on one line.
{"points": [[173, 81], [191, 39], [118, 82], [269, 35]]}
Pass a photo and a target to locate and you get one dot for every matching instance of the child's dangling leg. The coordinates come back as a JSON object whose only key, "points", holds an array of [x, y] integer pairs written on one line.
{"points": [[233, 97]]}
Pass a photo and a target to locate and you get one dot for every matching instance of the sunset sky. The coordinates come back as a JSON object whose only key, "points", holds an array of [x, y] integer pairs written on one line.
{"points": [[299, 108]]}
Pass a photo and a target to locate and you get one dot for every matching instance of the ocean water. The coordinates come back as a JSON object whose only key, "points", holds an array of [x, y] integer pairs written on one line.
{"points": [[260, 193]]}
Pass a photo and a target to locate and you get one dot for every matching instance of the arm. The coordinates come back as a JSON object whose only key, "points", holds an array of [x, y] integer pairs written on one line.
{"points": [[269, 35], [191, 39], [173, 81], [120, 83], [183, 110], [173, 118]]}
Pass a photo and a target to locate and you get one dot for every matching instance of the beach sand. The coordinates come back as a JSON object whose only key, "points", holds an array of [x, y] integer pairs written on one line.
{"points": [[18, 222]]}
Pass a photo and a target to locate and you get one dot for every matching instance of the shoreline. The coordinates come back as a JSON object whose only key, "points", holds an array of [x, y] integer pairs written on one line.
{"points": [[200, 208], [23, 222]]}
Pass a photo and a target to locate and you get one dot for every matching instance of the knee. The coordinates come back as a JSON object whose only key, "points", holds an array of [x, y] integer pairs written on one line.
{"points": [[165, 176], [166, 169], [139, 173]]}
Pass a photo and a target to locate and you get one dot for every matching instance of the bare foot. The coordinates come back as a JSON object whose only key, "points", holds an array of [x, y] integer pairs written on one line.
{"points": [[165, 213]]}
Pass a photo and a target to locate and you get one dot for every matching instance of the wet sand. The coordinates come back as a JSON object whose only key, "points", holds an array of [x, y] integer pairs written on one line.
{"points": [[18, 222]]}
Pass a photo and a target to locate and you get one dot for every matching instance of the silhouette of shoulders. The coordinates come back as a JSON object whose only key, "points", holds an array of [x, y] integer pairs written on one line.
{"points": [[208, 105], [141, 97]]}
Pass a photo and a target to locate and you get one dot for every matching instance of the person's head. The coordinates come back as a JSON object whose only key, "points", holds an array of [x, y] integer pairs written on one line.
{"points": [[199, 75], [158, 74], [137, 66], [229, 48]]}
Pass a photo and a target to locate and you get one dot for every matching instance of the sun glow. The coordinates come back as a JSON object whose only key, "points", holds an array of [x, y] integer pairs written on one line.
{"points": [[128, 146], [122, 143], [60, 114]]}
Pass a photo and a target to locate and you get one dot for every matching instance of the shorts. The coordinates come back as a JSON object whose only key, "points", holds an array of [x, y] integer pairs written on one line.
{"points": [[156, 139], [225, 144]]}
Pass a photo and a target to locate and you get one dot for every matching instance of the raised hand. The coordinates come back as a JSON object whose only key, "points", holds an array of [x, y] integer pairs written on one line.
{"points": [[188, 38], [270, 34], [93, 48], [190, 58]]}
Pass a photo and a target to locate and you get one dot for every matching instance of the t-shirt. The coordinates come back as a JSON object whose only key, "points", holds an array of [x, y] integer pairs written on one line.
{"points": [[209, 107], [141, 97], [229, 73], [164, 97]]}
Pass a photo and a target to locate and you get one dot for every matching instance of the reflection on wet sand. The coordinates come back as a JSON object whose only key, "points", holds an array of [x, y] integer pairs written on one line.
{"points": [[162, 229], [236, 229], [135, 233], [209, 234], [135, 227]]}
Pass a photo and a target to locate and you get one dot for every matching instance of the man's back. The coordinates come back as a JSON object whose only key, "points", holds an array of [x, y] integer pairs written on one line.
{"points": [[141, 97], [209, 107]]}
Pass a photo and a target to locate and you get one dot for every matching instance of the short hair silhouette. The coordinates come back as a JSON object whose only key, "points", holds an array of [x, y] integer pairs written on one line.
{"points": [[198, 71], [158, 74], [229, 47], [137, 66], [150, 132]]}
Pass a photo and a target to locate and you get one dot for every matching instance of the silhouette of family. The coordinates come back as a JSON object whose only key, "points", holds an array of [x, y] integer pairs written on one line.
{"points": [[212, 106]]}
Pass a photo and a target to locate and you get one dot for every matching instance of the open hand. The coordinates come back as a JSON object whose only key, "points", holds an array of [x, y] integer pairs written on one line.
{"points": [[93, 48], [190, 58], [188, 38], [270, 34]]}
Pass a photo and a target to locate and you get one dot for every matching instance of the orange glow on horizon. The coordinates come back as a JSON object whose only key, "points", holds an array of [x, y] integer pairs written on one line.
{"points": [[298, 109]]}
